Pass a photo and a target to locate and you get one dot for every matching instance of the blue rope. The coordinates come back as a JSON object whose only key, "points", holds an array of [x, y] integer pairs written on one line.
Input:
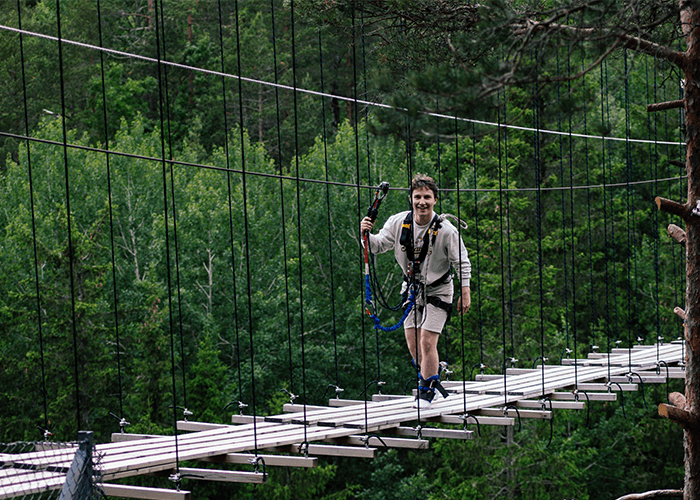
{"points": [[373, 314]]}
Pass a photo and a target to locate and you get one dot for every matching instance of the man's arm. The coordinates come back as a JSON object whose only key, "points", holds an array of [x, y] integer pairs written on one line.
{"points": [[464, 302]]}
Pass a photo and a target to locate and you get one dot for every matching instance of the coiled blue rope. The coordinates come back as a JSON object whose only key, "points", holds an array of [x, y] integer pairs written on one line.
{"points": [[373, 314]]}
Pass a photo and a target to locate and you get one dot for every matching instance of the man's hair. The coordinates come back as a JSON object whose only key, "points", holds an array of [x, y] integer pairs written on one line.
{"points": [[421, 180]]}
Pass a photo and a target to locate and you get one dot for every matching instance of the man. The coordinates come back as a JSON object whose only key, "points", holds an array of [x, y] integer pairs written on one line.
{"points": [[427, 247]]}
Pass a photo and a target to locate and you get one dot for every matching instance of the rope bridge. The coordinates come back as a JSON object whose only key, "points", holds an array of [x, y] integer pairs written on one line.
{"points": [[355, 428]]}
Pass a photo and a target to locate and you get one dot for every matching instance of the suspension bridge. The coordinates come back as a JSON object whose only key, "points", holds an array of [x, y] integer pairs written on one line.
{"points": [[350, 428]]}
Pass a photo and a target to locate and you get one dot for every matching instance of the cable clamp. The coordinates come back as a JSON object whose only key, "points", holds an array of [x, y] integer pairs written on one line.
{"points": [[292, 396], [176, 478], [696, 210]]}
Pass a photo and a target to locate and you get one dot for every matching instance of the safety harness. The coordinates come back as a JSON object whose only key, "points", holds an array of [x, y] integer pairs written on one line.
{"points": [[414, 263]]}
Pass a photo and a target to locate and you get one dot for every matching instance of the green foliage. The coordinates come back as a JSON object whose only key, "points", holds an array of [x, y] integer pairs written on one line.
{"points": [[209, 264]]}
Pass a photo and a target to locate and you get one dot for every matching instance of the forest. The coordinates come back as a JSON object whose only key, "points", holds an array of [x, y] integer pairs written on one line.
{"points": [[181, 185]]}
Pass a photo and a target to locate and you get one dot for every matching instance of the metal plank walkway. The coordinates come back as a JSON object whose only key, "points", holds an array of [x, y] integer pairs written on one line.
{"points": [[488, 399]]}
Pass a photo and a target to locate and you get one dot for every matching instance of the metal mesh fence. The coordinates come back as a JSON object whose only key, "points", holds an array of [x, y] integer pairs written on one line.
{"points": [[42, 470]]}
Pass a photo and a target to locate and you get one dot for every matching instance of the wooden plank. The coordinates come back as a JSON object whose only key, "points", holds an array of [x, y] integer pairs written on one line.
{"points": [[246, 419], [330, 450], [606, 387], [123, 437], [384, 442], [432, 432], [546, 415], [646, 378], [31, 483], [229, 476], [561, 405], [588, 396], [270, 460], [125, 491], [482, 420]]}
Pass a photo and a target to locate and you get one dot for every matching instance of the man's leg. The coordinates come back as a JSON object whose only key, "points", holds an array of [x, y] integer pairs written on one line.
{"points": [[430, 360], [412, 341]]}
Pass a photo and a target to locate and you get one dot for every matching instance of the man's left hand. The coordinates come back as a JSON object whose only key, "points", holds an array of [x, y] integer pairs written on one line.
{"points": [[464, 302]]}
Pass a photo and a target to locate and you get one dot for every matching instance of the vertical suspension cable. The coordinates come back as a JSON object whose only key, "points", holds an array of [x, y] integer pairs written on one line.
{"points": [[230, 208], [628, 191], [501, 234], [478, 251], [174, 213], [538, 185], [571, 226], [33, 214], [565, 241], [369, 171], [654, 171], [115, 297], [282, 203], [606, 244], [299, 232], [328, 213], [69, 228], [166, 223], [461, 316], [246, 226], [359, 206], [509, 260], [591, 298]]}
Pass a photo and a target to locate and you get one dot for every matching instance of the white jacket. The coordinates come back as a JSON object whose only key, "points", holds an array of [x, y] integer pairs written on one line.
{"points": [[448, 250]]}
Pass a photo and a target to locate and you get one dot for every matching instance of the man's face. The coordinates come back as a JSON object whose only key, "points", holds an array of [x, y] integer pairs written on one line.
{"points": [[423, 200]]}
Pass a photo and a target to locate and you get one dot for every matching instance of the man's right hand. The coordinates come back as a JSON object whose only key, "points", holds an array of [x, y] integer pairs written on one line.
{"points": [[366, 225]]}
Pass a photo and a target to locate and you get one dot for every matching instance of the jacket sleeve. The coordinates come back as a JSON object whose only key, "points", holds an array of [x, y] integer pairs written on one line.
{"points": [[385, 239], [459, 258]]}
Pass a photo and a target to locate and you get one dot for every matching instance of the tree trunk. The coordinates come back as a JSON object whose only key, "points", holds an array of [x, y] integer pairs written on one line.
{"points": [[690, 21]]}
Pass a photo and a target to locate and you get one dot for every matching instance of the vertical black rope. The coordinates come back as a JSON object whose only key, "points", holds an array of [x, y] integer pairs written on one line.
{"points": [[591, 298], [328, 213], [501, 234], [246, 227], [571, 227], [461, 284], [369, 171], [538, 182], [565, 242], [628, 191], [606, 243], [69, 229], [167, 232], [506, 208], [299, 232], [115, 297], [44, 395], [174, 214], [230, 207], [359, 201], [282, 203], [478, 250], [654, 171]]}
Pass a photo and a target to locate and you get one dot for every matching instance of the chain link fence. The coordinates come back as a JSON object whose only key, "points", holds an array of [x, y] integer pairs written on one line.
{"points": [[43, 470]]}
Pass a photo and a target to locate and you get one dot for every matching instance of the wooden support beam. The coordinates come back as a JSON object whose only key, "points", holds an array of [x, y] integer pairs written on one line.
{"points": [[384, 442], [432, 432], [588, 396], [499, 412], [186, 425], [122, 437], [647, 378], [482, 419], [270, 460], [246, 419], [126, 491], [561, 405], [605, 387], [329, 450], [229, 476]]}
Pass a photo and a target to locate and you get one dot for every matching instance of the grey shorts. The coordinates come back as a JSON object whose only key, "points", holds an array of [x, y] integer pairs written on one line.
{"points": [[430, 318]]}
